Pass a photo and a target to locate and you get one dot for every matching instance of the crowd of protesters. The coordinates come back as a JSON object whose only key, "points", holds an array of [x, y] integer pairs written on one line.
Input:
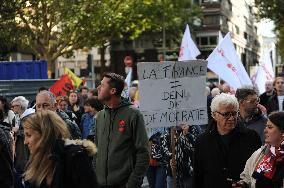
{"points": [[96, 138]]}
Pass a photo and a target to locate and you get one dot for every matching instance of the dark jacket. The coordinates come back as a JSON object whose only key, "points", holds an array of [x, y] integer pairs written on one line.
{"points": [[214, 162], [264, 99], [73, 166], [6, 162], [122, 142], [277, 180], [256, 122], [72, 126], [273, 104]]}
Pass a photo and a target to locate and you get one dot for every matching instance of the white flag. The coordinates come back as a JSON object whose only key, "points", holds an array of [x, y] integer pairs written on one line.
{"points": [[264, 72], [188, 49], [127, 80], [225, 62], [220, 37]]}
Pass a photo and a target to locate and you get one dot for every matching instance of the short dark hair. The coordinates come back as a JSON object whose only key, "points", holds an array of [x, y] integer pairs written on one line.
{"points": [[243, 92], [277, 118], [94, 103], [6, 106], [42, 89], [116, 81], [84, 87]]}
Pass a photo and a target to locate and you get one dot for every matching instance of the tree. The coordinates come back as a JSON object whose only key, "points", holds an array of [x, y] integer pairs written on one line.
{"points": [[128, 19], [52, 28], [274, 10]]}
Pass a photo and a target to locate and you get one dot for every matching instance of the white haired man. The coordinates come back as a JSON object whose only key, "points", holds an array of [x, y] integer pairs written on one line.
{"points": [[222, 151], [19, 105]]}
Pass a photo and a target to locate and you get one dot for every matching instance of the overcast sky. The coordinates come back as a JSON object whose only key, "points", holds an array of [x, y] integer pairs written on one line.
{"points": [[266, 28]]}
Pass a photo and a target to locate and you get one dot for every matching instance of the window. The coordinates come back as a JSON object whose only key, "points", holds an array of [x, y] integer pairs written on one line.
{"points": [[237, 29], [203, 40], [245, 35], [213, 40], [211, 20], [197, 41]]}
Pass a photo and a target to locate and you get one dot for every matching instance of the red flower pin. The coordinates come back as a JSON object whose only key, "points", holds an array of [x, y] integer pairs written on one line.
{"points": [[121, 129], [121, 122]]}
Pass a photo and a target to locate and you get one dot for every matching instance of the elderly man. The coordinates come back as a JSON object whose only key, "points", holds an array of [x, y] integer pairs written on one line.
{"points": [[19, 105], [250, 115], [45, 100], [221, 152]]}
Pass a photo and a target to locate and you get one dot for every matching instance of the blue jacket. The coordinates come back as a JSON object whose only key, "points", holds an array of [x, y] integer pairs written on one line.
{"points": [[87, 121]]}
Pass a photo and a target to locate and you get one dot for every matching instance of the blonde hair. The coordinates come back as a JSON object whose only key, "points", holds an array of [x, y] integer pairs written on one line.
{"points": [[51, 128], [276, 79]]}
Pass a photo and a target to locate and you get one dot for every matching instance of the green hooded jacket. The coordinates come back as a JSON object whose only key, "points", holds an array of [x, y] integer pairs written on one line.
{"points": [[123, 155]]}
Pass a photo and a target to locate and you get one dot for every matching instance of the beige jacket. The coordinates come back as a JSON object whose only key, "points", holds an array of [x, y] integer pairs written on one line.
{"points": [[251, 163]]}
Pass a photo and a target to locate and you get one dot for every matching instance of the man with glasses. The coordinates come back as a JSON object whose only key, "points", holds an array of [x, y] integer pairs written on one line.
{"points": [[20, 107], [222, 151], [45, 100], [250, 115]]}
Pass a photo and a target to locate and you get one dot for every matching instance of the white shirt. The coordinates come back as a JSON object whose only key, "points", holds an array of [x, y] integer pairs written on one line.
{"points": [[280, 102]]}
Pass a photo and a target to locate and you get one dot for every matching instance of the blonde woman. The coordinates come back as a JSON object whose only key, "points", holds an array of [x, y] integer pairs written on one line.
{"points": [[55, 161]]}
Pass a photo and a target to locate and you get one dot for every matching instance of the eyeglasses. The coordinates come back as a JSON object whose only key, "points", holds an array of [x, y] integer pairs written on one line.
{"points": [[44, 105], [227, 115], [13, 106], [253, 101]]}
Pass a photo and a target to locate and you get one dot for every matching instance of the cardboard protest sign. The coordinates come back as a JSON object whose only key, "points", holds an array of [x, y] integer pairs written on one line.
{"points": [[173, 92]]}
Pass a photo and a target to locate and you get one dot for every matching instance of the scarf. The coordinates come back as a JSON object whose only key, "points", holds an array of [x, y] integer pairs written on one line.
{"points": [[267, 166]]}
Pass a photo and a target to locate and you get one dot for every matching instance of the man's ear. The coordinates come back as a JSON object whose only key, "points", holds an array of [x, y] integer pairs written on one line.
{"points": [[113, 91]]}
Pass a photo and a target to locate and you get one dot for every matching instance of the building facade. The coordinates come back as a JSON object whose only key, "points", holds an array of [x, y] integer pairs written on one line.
{"points": [[236, 17]]}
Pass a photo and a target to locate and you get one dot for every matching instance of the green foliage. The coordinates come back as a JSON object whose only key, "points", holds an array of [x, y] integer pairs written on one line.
{"points": [[51, 28], [274, 10]]}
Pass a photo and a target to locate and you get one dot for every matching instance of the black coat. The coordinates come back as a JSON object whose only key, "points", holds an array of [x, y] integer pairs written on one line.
{"points": [[273, 104], [73, 168], [6, 162], [264, 99], [214, 163]]}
